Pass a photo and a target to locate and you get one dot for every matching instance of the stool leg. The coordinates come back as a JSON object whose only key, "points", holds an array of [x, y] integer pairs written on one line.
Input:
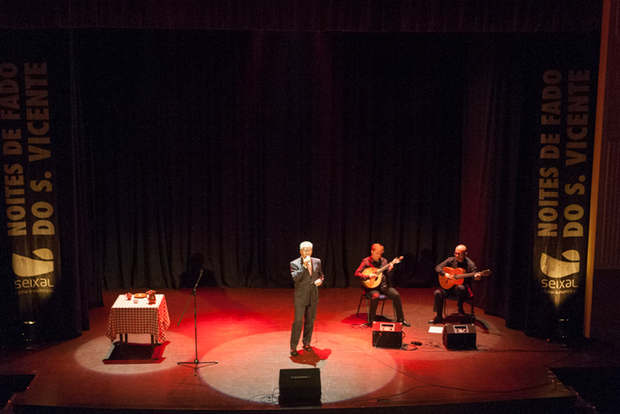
{"points": [[359, 305]]}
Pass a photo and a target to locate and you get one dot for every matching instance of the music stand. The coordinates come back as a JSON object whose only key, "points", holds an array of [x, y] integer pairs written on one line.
{"points": [[196, 362]]}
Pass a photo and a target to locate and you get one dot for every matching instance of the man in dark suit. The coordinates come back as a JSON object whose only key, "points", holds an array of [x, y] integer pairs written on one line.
{"points": [[308, 276]]}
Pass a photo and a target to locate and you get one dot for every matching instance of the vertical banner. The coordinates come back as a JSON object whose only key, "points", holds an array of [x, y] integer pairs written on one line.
{"points": [[30, 204], [562, 183]]}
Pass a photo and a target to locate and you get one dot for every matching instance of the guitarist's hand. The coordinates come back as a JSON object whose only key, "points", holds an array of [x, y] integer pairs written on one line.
{"points": [[449, 276], [477, 276]]}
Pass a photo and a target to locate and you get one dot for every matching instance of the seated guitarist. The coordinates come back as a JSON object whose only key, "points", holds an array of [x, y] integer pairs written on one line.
{"points": [[376, 261], [462, 291]]}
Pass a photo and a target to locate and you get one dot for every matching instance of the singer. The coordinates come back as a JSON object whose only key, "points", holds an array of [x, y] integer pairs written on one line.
{"points": [[308, 276]]}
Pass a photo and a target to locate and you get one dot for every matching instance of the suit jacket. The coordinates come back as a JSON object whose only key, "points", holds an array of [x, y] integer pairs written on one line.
{"points": [[306, 292]]}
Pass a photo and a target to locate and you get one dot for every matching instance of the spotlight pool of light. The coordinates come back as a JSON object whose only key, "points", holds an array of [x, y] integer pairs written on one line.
{"points": [[91, 355], [248, 367]]}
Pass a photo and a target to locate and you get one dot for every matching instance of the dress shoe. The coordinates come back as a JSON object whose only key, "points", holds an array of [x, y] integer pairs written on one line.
{"points": [[436, 320], [294, 353], [405, 323], [308, 348]]}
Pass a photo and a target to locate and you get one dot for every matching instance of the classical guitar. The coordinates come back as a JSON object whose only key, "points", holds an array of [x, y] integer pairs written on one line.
{"points": [[376, 275], [457, 276]]}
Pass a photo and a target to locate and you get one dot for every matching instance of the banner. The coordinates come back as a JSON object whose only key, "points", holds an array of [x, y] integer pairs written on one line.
{"points": [[31, 213], [562, 184]]}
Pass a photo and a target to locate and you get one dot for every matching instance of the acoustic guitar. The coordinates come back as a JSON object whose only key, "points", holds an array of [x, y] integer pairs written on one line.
{"points": [[376, 275], [457, 276]]}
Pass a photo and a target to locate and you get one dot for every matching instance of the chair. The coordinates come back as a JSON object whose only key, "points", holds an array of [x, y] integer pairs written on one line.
{"points": [[464, 319], [382, 299]]}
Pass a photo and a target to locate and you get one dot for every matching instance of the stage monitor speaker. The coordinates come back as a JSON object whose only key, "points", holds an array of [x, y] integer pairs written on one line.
{"points": [[387, 334], [300, 387], [386, 339], [459, 337]]}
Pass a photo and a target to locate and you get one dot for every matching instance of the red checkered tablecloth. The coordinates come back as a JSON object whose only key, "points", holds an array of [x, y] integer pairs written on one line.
{"points": [[127, 317]]}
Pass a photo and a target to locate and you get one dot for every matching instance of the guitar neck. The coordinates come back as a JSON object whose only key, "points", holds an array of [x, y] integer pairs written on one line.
{"points": [[395, 261], [383, 268], [463, 276], [387, 265]]}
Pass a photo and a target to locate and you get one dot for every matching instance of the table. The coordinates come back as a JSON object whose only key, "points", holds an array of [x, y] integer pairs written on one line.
{"points": [[127, 317]]}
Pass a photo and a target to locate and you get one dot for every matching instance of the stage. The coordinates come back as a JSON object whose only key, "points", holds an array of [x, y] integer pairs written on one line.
{"points": [[242, 342]]}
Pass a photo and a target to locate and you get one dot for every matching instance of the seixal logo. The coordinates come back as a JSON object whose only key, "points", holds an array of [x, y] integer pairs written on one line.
{"points": [[555, 268], [28, 267]]}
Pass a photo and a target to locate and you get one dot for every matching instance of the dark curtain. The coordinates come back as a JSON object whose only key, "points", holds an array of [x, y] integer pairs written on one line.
{"points": [[371, 16], [235, 147], [80, 289]]}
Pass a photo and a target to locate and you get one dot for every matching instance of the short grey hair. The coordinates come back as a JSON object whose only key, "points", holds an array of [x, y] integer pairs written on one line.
{"points": [[305, 244]]}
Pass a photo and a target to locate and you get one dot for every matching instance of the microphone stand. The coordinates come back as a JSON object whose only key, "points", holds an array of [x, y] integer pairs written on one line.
{"points": [[196, 362]]}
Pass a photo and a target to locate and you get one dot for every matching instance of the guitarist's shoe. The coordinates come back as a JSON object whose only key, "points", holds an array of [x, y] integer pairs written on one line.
{"points": [[294, 353], [405, 323], [308, 348], [436, 320]]}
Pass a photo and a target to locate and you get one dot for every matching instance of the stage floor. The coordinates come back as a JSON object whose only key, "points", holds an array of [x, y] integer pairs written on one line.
{"points": [[242, 342]]}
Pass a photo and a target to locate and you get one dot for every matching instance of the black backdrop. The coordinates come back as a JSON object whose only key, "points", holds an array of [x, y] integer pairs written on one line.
{"points": [[233, 147], [239, 146]]}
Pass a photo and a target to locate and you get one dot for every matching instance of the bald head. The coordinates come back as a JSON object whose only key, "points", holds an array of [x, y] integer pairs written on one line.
{"points": [[460, 252]]}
